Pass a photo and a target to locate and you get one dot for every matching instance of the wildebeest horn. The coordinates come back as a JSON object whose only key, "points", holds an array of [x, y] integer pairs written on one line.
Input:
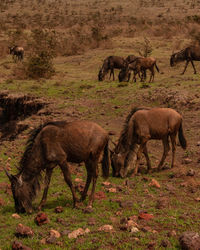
{"points": [[10, 177], [20, 180]]}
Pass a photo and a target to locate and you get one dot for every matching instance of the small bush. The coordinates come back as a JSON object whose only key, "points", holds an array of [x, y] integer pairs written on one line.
{"points": [[145, 48]]}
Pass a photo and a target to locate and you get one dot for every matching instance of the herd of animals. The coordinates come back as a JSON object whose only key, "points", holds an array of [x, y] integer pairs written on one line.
{"points": [[60, 142]]}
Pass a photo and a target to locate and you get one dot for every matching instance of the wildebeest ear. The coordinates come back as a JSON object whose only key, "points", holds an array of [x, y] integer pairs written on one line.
{"points": [[10, 176]]}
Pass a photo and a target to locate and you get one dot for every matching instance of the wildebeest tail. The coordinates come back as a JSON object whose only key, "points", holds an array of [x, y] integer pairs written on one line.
{"points": [[106, 161], [181, 137], [157, 67]]}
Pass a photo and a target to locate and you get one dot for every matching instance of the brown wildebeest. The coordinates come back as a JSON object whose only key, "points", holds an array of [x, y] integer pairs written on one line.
{"points": [[141, 125], [57, 143], [188, 54], [145, 63], [111, 63], [17, 52], [124, 74]]}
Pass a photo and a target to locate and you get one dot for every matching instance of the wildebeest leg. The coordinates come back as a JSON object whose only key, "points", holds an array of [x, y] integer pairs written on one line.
{"points": [[145, 152], [88, 181], [173, 141], [67, 176], [47, 182], [94, 168], [166, 147], [185, 67], [130, 159], [193, 67], [152, 75], [139, 153]]}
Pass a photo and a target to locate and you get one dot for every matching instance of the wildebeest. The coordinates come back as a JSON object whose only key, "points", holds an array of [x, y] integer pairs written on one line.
{"points": [[144, 63], [57, 143], [141, 125], [188, 54], [125, 73], [111, 63], [17, 52]]}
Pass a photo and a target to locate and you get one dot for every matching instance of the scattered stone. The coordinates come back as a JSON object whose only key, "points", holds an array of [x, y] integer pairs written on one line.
{"points": [[100, 195], [91, 221], [146, 229], [198, 143], [134, 230], [197, 199], [62, 221], [24, 231], [151, 245], [165, 243], [106, 184], [186, 161], [106, 228], [145, 179], [145, 216], [54, 233], [19, 246], [162, 203], [78, 180], [41, 219], [154, 183], [191, 172], [172, 233], [126, 204], [79, 187], [190, 241], [59, 209], [16, 216], [78, 232], [111, 190], [51, 240], [88, 210], [43, 241]]}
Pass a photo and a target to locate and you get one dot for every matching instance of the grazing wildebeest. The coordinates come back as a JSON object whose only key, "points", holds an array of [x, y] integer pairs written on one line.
{"points": [[111, 63], [57, 143], [188, 54], [144, 63], [124, 74], [141, 125], [17, 52]]}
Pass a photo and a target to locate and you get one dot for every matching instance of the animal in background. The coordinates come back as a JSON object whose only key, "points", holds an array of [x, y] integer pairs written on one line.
{"points": [[188, 54], [17, 52], [141, 125], [109, 64]]}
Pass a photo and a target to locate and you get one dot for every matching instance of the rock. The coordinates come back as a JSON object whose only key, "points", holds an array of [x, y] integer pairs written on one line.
{"points": [[186, 161], [106, 228], [198, 143], [16, 245], [111, 190], [51, 240], [151, 245], [154, 183], [134, 230], [62, 221], [88, 210], [197, 199], [106, 184], [162, 203], [126, 204], [191, 172], [43, 241], [41, 219], [24, 231], [165, 243], [78, 232], [146, 229], [190, 241], [54, 233], [59, 209], [91, 221], [145, 216], [16, 216], [78, 180], [172, 233], [100, 195]]}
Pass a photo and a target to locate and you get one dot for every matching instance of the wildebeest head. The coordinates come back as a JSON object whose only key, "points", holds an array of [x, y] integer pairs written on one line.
{"points": [[20, 192], [124, 74], [100, 75], [117, 163], [173, 60]]}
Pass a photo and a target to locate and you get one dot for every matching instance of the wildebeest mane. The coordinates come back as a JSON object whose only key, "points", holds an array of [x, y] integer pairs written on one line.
{"points": [[124, 134], [31, 140]]}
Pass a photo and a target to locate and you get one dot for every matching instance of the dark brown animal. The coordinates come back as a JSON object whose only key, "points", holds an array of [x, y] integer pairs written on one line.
{"points": [[188, 54], [125, 73], [141, 125], [57, 143], [17, 52], [144, 63], [109, 64]]}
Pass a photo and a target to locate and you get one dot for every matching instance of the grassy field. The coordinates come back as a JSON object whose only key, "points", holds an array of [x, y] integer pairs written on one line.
{"points": [[75, 93]]}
